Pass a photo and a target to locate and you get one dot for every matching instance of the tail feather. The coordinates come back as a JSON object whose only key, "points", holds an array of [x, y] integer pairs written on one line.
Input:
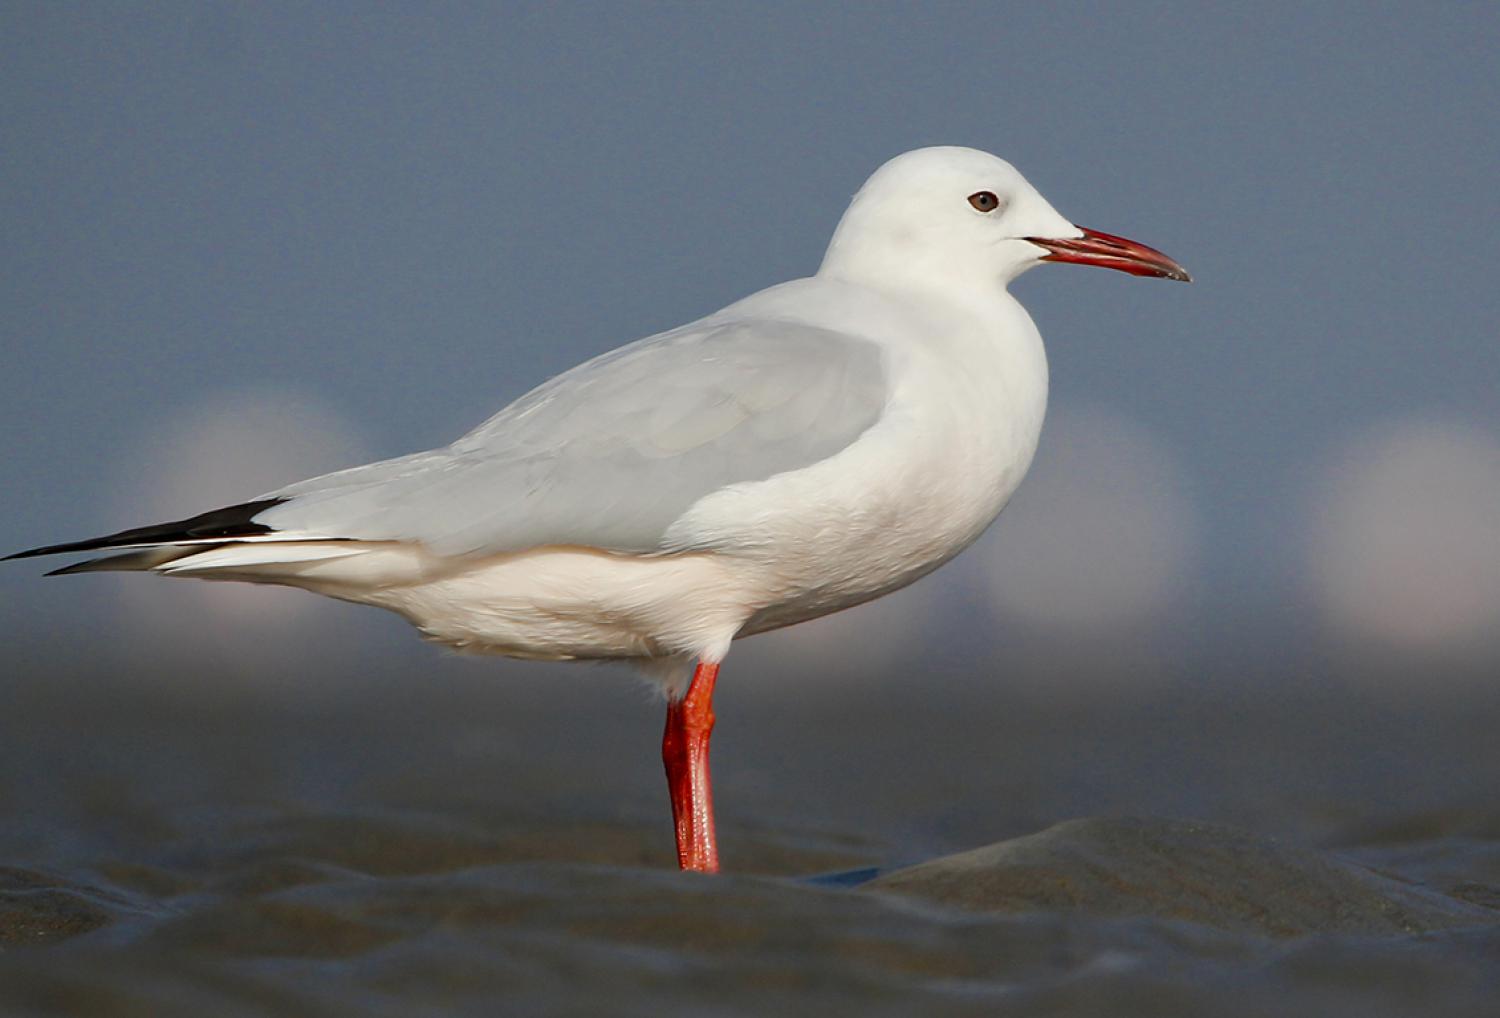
{"points": [[227, 544], [262, 561], [270, 556], [133, 561]]}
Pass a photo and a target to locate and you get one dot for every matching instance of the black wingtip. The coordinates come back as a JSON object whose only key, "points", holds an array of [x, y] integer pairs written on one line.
{"points": [[230, 522], [76, 567], [51, 549]]}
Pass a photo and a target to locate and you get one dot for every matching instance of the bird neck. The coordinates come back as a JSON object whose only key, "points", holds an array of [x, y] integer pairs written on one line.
{"points": [[926, 283], [881, 256], [888, 264]]}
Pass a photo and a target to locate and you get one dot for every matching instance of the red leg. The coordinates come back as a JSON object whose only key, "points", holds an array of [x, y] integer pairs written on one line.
{"points": [[684, 749]]}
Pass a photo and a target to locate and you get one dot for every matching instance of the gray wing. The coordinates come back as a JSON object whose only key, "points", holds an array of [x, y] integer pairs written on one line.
{"points": [[610, 453]]}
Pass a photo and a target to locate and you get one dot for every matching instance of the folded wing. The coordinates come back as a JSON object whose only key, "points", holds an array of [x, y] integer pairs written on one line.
{"points": [[611, 453]]}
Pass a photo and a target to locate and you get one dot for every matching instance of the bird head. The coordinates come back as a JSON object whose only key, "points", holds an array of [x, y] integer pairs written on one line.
{"points": [[961, 217]]}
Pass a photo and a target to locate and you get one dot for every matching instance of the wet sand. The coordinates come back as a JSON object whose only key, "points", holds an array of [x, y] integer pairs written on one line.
{"points": [[405, 848]]}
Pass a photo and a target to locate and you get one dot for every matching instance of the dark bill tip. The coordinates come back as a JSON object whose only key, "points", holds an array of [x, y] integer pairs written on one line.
{"points": [[1110, 252]]}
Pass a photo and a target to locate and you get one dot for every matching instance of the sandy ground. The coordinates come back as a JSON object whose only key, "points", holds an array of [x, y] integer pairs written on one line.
{"points": [[396, 846]]}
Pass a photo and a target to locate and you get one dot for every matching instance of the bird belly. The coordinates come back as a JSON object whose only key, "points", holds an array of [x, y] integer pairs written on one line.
{"points": [[870, 545], [560, 603]]}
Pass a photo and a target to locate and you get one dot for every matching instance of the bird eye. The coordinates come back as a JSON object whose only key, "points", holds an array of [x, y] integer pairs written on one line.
{"points": [[984, 201]]}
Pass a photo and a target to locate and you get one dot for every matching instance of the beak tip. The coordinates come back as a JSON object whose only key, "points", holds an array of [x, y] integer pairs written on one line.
{"points": [[1108, 251]]}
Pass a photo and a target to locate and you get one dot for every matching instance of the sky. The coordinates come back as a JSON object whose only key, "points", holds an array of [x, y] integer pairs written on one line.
{"points": [[250, 243]]}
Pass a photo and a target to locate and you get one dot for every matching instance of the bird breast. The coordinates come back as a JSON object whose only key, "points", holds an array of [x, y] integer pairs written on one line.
{"points": [[959, 431]]}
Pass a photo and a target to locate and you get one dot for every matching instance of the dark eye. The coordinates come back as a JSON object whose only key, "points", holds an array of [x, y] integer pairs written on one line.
{"points": [[984, 201]]}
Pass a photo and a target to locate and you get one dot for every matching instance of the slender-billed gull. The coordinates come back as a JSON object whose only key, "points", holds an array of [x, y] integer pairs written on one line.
{"points": [[811, 447]]}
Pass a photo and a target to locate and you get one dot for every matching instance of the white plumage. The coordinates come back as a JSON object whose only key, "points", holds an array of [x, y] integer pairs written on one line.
{"points": [[808, 448], [813, 446]]}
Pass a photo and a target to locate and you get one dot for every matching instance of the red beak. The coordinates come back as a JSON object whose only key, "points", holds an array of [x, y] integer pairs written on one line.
{"points": [[1111, 252]]}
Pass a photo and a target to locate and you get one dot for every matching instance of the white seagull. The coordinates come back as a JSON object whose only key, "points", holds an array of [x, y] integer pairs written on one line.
{"points": [[808, 448]]}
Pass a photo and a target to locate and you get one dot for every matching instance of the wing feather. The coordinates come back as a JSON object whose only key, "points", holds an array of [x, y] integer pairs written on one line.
{"points": [[611, 453]]}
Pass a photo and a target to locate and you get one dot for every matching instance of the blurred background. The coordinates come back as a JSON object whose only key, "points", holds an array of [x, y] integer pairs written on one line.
{"points": [[1255, 572]]}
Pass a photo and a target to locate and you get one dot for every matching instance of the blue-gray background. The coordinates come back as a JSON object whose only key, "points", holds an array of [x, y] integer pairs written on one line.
{"points": [[245, 243]]}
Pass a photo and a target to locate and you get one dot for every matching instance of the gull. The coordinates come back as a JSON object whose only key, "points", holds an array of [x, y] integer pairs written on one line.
{"points": [[806, 449]]}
